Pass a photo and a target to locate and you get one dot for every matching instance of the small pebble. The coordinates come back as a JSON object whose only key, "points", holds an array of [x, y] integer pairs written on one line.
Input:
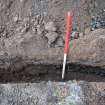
{"points": [[15, 19]]}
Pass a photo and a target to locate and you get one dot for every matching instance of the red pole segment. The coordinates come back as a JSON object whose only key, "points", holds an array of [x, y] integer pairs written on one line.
{"points": [[66, 47]]}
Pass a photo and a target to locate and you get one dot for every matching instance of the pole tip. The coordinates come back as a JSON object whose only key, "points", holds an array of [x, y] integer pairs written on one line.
{"points": [[70, 13], [62, 77]]}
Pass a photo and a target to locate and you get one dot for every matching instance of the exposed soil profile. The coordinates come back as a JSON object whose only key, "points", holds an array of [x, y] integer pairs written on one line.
{"points": [[40, 72], [33, 28]]}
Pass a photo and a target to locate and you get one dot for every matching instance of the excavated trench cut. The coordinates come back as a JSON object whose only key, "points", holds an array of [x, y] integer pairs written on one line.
{"points": [[18, 71]]}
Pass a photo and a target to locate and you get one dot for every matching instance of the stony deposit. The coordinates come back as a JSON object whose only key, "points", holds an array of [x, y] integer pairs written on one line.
{"points": [[53, 93]]}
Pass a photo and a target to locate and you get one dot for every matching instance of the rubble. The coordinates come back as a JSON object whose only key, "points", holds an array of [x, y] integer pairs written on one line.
{"points": [[51, 93]]}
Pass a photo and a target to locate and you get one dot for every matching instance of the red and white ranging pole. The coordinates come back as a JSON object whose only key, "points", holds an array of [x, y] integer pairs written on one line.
{"points": [[66, 47]]}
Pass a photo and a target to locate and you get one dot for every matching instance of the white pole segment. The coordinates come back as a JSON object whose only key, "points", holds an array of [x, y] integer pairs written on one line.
{"points": [[64, 65]]}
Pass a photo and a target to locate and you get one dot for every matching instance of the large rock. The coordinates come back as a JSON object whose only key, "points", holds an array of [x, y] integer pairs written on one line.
{"points": [[51, 36]]}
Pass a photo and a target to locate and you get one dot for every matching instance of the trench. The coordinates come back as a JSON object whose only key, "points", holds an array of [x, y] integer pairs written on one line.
{"points": [[36, 72]]}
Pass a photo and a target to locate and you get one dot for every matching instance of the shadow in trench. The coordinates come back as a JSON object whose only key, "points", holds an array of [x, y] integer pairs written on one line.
{"points": [[44, 72]]}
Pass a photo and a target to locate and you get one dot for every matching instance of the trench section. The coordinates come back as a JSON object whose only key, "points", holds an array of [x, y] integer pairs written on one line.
{"points": [[36, 72]]}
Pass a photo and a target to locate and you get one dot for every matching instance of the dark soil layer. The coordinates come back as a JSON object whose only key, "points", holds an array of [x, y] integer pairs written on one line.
{"points": [[44, 72]]}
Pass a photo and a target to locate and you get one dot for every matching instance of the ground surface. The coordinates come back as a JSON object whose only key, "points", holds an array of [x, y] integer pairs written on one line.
{"points": [[53, 93]]}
